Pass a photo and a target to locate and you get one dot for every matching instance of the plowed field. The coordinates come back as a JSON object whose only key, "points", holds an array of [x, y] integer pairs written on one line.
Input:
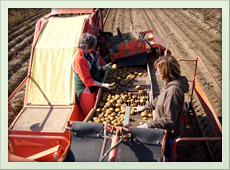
{"points": [[191, 33]]}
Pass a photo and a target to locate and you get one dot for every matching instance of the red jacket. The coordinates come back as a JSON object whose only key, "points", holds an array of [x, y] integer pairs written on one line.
{"points": [[82, 67]]}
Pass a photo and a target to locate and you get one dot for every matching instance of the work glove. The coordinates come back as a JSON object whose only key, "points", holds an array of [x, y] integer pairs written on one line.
{"points": [[139, 109], [108, 67], [107, 85], [143, 126]]}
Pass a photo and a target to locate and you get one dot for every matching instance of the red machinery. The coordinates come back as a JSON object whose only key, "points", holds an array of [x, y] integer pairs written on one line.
{"points": [[48, 127]]}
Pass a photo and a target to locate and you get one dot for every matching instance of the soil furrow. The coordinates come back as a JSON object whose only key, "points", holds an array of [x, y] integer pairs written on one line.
{"points": [[193, 40], [146, 19], [19, 47], [16, 64], [213, 22], [200, 38], [20, 38], [17, 78], [29, 18]]}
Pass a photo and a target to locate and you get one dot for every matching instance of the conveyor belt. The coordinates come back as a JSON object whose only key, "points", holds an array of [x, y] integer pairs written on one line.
{"points": [[145, 145]]}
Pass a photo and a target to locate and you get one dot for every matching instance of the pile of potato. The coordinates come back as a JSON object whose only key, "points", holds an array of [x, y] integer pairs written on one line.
{"points": [[112, 105], [122, 77]]}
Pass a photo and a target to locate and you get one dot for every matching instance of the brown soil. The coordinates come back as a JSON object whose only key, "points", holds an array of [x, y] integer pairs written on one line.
{"points": [[191, 33]]}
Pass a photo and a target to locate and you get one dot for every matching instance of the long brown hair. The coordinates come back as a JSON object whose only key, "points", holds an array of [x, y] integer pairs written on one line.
{"points": [[169, 67]]}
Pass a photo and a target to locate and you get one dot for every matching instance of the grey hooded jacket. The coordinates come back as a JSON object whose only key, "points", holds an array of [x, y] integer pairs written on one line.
{"points": [[169, 107]]}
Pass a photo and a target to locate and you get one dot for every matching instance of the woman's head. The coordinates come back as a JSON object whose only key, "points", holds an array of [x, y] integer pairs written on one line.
{"points": [[87, 41], [167, 67]]}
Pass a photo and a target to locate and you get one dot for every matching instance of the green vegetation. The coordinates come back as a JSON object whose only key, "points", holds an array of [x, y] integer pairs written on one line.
{"points": [[192, 46], [217, 40], [17, 105], [207, 85]]}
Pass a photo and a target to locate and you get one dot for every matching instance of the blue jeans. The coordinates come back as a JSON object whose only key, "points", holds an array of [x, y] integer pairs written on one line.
{"points": [[168, 149]]}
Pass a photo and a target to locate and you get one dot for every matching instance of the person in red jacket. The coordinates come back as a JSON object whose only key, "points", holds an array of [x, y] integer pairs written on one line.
{"points": [[169, 103], [86, 72]]}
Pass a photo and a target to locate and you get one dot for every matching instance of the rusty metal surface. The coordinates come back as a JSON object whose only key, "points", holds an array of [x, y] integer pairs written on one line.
{"points": [[42, 119]]}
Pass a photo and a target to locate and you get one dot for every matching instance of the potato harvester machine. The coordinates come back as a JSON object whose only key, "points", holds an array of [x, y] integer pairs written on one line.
{"points": [[49, 127]]}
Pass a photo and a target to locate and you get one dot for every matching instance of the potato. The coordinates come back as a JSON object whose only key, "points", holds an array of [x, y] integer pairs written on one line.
{"points": [[123, 106], [99, 110], [137, 101], [94, 118], [140, 74], [132, 100], [125, 97], [150, 115], [138, 87], [145, 118], [122, 115], [144, 114], [111, 118], [123, 111], [120, 101], [112, 100], [113, 114], [108, 104], [141, 92], [133, 104], [111, 109], [132, 112], [142, 100], [114, 66], [108, 121], [100, 116], [97, 121], [117, 110], [134, 96], [108, 112], [118, 105]]}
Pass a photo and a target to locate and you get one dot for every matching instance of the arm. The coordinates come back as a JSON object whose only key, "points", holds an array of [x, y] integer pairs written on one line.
{"points": [[151, 105], [82, 68], [171, 110]]}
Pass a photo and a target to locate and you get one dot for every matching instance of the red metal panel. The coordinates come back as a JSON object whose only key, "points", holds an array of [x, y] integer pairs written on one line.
{"points": [[184, 139], [55, 11], [28, 145], [208, 109], [14, 158]]}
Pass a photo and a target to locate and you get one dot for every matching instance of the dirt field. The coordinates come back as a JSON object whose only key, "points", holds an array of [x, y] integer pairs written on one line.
{"points": [[191, 33]]}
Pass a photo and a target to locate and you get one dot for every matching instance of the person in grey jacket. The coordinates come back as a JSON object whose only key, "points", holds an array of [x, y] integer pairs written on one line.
{"points": [[169, 103]]}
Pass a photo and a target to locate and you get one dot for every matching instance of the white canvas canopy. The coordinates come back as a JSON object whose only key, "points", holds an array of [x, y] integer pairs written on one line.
{"points": [[51, 74]]}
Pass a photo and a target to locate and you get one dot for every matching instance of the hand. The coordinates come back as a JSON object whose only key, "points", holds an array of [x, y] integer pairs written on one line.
{"points": [[139, 109], [143, 126], [107, 85], [108, 67]]}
